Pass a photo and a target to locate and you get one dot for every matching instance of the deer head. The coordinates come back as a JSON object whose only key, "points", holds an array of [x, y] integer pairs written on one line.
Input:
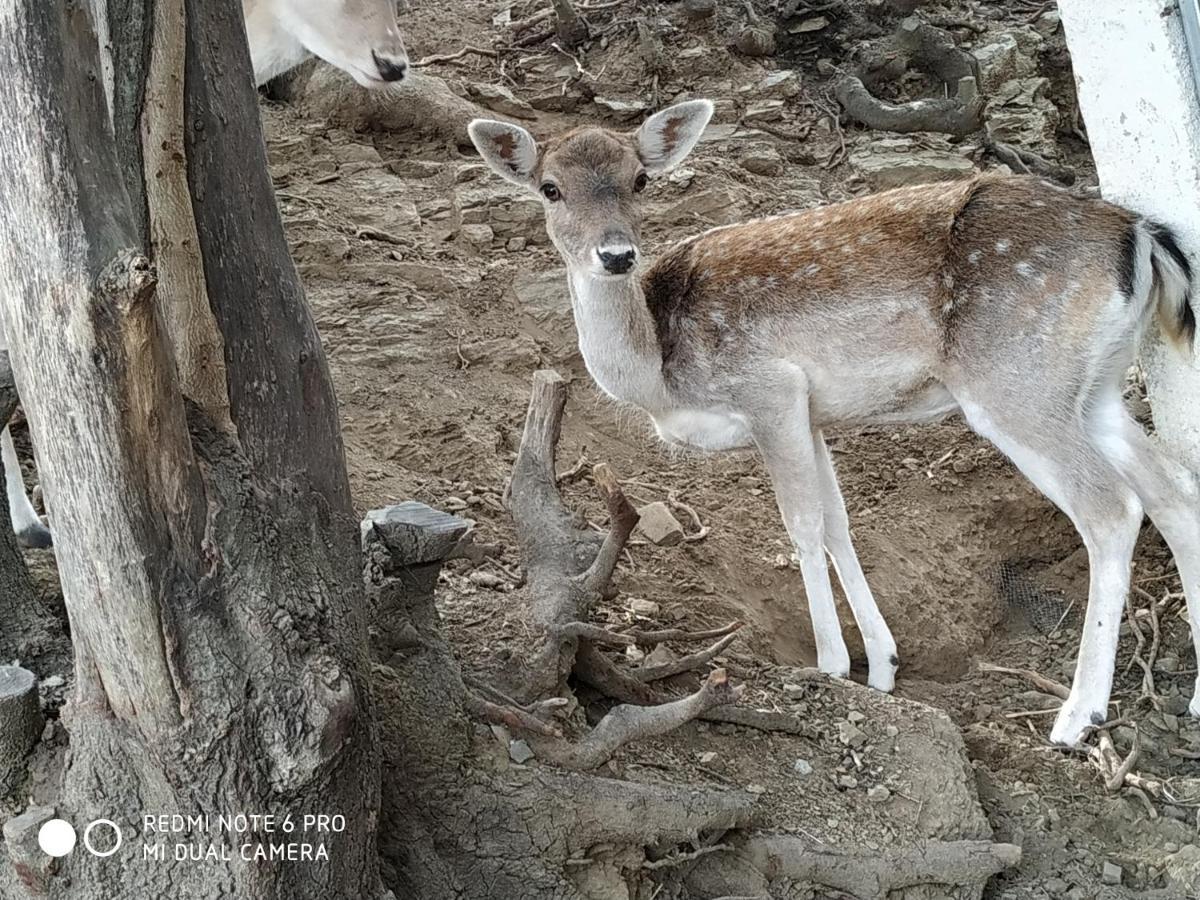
{"points": [[360, 37], [589, 180]]}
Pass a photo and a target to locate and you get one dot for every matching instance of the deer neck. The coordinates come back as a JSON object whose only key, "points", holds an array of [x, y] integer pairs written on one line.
{"points": [[273, 48], [618, 339]]}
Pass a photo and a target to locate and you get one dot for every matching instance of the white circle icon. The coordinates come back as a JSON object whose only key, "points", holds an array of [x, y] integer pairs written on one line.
{"points": [[87, 838], [56, 837]]}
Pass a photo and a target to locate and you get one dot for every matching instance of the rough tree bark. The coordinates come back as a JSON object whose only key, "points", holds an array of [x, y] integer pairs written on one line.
{"points": [[209, 559]]}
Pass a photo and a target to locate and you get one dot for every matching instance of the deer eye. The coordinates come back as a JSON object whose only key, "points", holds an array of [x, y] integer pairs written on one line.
{"points": [[551, 192], [639, 183]]}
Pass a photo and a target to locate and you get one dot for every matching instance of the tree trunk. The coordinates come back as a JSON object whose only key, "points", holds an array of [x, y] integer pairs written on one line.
{"points": [[187, 438]]}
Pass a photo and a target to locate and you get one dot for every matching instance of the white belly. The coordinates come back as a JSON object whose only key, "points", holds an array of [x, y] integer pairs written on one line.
{"points": [[703, 429]]}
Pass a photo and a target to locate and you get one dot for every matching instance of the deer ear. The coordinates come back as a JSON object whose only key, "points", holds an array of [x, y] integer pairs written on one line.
{"points": [[668, 136], [509, 150]]}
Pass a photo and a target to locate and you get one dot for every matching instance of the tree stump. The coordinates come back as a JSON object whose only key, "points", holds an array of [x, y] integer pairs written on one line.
{"points": [[20, 722]]}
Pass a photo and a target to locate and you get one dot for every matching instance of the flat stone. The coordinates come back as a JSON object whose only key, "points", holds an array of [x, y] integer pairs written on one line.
{"points": [[802, 767], [413, 532], [644, 607], [878, 794], [762, 159], [1111, 874], [894, 162], [500, 99], [478, 235], [659, 525], [519, 752], [851, 735]]}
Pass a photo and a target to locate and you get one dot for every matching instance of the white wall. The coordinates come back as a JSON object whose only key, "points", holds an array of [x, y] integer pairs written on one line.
{"points": [[1143, 120]]}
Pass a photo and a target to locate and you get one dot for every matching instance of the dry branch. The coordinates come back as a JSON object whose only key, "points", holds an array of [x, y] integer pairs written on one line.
{"points": [[1041, 682], [950, 116]]}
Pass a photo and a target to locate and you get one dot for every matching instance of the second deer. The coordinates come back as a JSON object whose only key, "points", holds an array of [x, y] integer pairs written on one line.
{"points": [[1008, 300]]}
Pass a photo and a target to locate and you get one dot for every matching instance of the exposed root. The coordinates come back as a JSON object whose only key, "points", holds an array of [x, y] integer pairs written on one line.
{"points": [[509, 716], [684, 663], [1026, 162], [1041, 682], [598, 672], [950, 116], [759, 862], [567, 572], [627, 723]]}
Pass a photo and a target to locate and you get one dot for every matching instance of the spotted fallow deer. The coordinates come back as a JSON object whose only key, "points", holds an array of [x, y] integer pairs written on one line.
{"points": [[1006, 299], [358, 36]]}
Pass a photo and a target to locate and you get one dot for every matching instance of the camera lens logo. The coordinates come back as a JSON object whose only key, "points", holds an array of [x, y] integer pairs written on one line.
{"points": [[57, 837]]}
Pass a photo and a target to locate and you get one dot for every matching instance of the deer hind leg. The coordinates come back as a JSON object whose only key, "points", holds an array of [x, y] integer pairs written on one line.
{"points": [[25, 522], [1062, 460], [787, 448], [1169, 491], [877, 637]]}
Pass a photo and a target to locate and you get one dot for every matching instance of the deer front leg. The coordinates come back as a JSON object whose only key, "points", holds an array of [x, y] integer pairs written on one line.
{"points": [[785, 441], [882, 660]]}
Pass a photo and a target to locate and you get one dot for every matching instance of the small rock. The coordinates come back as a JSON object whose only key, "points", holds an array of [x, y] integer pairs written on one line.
{"points": [[708, 757], [892, 731], [479, 235], [825, 67], [644, 607], [488, 580], [855, 716], [501, 99], [762, 160], [659, 525], [622, 108], [847, 781], [1057, 887], [851, 735], [659, 656], [515, 244], [682, 176], [878, 794], [790, 689], [784, 84], [764, 111], [1111, 873], [634, 653], [802, 767], [1168, 662], [756, 789], [519, 752]]}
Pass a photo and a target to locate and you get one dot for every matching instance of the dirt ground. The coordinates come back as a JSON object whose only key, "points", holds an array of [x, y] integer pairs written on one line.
{"points": [[437, 295], [434, 328]]}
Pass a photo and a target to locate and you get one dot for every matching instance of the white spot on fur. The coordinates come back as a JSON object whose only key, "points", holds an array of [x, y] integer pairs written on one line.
{"points": [[974, 257], [812, 269], [1003, 246], [1024, 268]]}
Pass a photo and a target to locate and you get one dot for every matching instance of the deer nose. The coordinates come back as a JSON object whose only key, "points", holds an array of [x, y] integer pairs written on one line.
{"points": [[390, 69], [617, 260]]}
